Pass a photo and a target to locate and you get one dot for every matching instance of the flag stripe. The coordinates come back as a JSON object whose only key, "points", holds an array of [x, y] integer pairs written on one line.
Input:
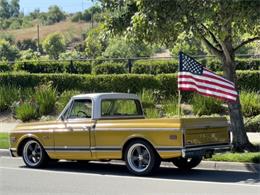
{"points": [[206, 88], [207, 83], [213, 75], [205, 78], [206, 94]]}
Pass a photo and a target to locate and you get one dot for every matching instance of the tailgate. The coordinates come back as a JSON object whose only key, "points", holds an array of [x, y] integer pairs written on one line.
{"points": [[206, 136]]}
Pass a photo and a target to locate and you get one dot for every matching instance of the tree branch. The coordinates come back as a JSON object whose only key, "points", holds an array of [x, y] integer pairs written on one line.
{"points": [[212, 36], [213, 49], [246, 42]]}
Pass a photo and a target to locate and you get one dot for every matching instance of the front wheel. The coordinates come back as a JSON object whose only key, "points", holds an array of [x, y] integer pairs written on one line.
{"points": [[34, 155], [186, 163], [141, 159]]}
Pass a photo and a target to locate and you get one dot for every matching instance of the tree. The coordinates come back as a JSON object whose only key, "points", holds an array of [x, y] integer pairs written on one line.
{"points": [[55, 15], [218, 23], [8, 51], [14, 8], [54, 44], [4, 9]]}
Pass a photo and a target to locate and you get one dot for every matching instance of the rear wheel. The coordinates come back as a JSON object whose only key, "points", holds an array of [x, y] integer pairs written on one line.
{"points": [[187, 163], [34, 155], [141, 159]]}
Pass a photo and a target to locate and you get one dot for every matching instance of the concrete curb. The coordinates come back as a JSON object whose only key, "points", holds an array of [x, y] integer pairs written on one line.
{"points": [[212, 165]]}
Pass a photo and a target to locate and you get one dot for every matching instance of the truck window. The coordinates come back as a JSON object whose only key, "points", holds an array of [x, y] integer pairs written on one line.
{"points": [[120, 107], [80, 109]]}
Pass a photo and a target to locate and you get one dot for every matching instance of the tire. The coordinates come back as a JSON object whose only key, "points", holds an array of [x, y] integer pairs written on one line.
{"points": [[141, 158], [34, 155], [187, 163]]}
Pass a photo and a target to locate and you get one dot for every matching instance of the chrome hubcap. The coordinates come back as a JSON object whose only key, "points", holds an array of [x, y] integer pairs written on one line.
{"points": [[138, 157], [32, 153]]}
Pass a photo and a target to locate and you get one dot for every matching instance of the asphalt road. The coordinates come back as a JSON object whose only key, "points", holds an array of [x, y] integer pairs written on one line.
{"points": [[105, 178]]}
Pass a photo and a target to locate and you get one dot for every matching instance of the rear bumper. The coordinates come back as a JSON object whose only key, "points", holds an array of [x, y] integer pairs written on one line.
{"points": [[206, 151]]}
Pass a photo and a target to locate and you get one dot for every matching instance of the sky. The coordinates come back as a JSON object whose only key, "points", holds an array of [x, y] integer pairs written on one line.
{"points": [[69, 6]]}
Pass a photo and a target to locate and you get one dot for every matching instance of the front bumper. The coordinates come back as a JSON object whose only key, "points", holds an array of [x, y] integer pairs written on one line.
{"points": [[13, 152], [205, 151]]}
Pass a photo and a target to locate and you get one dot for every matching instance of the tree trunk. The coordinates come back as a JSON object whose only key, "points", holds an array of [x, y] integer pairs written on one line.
{"points": [[240, 140]]}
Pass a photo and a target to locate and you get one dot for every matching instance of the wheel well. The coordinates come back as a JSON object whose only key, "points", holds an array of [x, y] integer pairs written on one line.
{"points": [[136, 139]]}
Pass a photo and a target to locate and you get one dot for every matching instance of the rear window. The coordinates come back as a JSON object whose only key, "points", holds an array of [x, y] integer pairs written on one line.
{"points": [[120, 108]]}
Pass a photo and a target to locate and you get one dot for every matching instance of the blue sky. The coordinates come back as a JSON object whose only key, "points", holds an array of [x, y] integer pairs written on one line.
{"points": [[69, 6]]}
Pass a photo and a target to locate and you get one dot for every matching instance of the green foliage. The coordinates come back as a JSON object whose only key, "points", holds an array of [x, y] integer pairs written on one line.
{"points": [[253, 124], [119, 47], [29, 55], [4, 141], [8, 51], [64, 99], [54, 44], [250, 102], [5, 66], [248, 80], [95, 42], [152, 113], [206, 105], [55, 14], [40, 66], [253, 157], [170, 107], [8, 94], [27, 44], [26, 111], [79, 67], [109, 68], [155, 66], [148, 99], [45, 98]]}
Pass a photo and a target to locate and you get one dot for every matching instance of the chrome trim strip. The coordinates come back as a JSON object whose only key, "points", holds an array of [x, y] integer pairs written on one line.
{"points": [[136, 129]]}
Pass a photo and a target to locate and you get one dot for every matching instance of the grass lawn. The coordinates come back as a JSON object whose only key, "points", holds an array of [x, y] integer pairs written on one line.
{"points": [[4, 140], [253, 157]]}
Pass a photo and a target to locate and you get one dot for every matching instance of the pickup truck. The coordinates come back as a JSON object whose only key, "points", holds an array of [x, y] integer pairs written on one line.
{"points": [[109, 126]]}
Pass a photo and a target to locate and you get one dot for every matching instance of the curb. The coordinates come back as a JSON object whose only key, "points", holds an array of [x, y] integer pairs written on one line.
{"points": [[212, 165], [4, 152]]}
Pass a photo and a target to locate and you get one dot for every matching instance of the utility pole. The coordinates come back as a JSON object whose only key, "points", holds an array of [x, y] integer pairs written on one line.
{"points": [[38, 38]]}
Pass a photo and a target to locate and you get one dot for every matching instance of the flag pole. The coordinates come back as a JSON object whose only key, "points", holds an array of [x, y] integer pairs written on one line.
{"points": [[179, 91]]}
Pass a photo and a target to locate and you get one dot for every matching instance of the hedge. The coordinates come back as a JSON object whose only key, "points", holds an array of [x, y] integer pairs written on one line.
{"points": [[5, 67], [109, 68], [155, 66], [165, 83]]}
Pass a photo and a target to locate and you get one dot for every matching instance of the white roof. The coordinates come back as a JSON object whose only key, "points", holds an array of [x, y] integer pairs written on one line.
{"points": [[97, 96]]}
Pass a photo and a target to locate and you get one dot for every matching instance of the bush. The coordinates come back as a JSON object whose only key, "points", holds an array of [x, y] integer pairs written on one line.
{"points": [[109, 68], [45, 97], [5, 67], [8, 94], [206, 105], [250, 102], [79, 67], [64, 99], [253, 125], [155, 66], [148, 99], [26, 111], [170, 107]]}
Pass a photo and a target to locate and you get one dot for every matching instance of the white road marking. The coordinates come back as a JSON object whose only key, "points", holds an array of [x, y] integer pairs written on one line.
{"points": [[127, 177]]}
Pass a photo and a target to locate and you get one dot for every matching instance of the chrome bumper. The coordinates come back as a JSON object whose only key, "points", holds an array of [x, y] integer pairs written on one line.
{"points": [[206, 151]]}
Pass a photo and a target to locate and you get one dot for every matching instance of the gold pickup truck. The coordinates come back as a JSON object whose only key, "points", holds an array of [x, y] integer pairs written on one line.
{"points": [[108, 126]]}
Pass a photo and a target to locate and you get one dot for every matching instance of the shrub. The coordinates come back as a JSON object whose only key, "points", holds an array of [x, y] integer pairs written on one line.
{"points": [[248, 80], [109, 68], [170, 107], [152, 113], [248, 64], [206, 105], [250, 102], [8, 94], [64, 99], [148, 99], [253, 124], [79, 67], [8, 51], [5, 67], [26, 111], [155, 66], [45, 97]]}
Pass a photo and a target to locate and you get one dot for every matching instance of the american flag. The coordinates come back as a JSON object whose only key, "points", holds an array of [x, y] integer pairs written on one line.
{"points": [[192, 76]]}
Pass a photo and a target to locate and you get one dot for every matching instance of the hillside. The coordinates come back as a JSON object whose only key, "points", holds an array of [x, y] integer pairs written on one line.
{"points": [[69, 29]]}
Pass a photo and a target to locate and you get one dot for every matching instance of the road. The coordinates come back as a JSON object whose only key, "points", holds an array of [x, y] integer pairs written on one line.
{"points": [[105, 178]]}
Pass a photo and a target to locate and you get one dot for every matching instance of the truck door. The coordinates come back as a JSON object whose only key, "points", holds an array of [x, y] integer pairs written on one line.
{"points": [[73, 141]]}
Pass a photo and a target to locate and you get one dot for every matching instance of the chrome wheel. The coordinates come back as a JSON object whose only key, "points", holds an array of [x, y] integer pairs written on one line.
{"points": [[33, 154], [138, 157]]}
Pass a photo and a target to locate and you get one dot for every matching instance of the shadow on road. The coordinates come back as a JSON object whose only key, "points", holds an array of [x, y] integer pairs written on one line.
{"points": [[163, 172]]}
